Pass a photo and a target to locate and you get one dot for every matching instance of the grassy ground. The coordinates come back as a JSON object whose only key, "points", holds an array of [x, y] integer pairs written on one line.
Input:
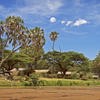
{"points": [[8, 83], [51, 82], [70, 82]]}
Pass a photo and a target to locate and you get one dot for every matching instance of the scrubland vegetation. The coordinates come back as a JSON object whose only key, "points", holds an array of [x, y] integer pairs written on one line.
{"points": [[21, 53]]}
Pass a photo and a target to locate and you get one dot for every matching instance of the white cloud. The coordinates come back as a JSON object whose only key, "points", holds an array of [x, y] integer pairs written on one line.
{"points": [[40, 7], [80, 22], [32, 7], [69, 23], [63, 22], [52, 19], [76, 23], [54, 5]]}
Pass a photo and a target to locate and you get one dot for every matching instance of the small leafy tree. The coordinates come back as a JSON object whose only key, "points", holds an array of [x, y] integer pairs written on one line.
{"points": [[17, 60]]}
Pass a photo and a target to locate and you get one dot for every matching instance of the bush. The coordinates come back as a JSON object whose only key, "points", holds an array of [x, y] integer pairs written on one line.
{"points": [[59, 83], [33, 80], [75, 76], [26, 83]]}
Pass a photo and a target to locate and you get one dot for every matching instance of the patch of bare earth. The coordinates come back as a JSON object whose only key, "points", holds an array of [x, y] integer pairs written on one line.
{"points": [[51, 93]]}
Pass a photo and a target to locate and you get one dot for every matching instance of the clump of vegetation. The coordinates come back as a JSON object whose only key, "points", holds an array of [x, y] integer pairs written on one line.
{"points": [[33, 80], [70, 82]]}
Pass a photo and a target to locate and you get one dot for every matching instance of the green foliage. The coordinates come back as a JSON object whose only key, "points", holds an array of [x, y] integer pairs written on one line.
{"points": [[14, 35], [37, 38], [75, 76], [17, 60], [21, 57], [67, 61], [13, 32], [59, 83], [70, 82], [96, 65], [47, 82], [7, 83], [53, 36], [35, 49], [33, 80]]}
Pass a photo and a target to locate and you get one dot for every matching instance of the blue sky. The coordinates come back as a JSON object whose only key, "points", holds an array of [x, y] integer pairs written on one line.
{"points": [[76, 21]]}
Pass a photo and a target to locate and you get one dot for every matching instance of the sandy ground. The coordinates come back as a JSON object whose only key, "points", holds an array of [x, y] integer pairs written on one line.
{"points": [[51, 93]]}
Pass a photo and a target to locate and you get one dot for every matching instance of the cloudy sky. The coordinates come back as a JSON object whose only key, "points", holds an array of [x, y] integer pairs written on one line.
{"points": [[76, 21]]}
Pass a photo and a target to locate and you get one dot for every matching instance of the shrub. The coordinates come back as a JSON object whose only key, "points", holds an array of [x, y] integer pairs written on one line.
{"points": [[33, 79], [59, 83], [26, 83], [75, 76]]}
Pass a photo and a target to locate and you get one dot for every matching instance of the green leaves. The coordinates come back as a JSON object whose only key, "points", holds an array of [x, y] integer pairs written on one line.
{"points": [[22, 58], [37, 37], [17, 36], [65, 61], [53, 36], [96, 64]]}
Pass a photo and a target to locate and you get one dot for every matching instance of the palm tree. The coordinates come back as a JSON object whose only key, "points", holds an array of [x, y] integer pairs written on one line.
{"points": [[12, 33], [53, 36], [1, 40], [37, 42], [0, 49], [37, 37]]}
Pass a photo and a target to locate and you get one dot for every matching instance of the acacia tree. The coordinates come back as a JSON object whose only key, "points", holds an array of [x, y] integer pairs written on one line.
{"points": [[17, 60], [96, 65], [66, 61]]}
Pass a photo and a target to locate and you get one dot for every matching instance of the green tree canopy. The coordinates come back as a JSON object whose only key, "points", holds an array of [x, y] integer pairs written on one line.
{"points": [[96, 64], [65, 61]]}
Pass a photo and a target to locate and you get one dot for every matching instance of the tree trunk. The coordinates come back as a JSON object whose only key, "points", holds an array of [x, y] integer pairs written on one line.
{"points": [[64, 73], [1, 63], [3, 60], [53, 46]]}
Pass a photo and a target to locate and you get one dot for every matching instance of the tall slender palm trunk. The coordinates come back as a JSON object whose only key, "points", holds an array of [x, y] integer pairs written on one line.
{"points": [[53, 46]]}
